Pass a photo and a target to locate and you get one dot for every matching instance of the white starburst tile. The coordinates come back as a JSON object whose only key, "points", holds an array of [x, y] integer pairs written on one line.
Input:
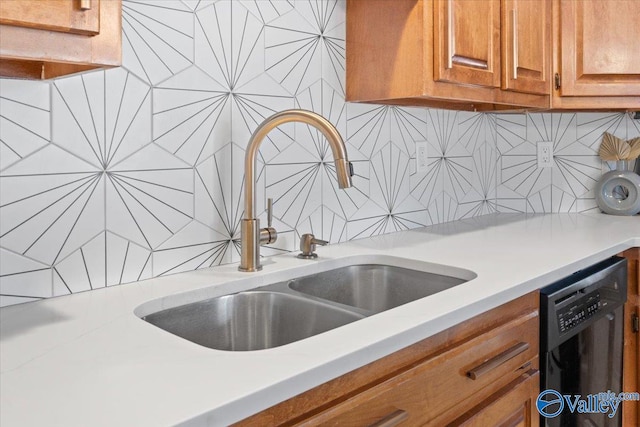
{"points": [[562, 201], [102, 116], [24, 119], [391, 207], [509, 201], [219, 192], [407, 127], [480, 199], [511, 131], [519, 170], [368, 129], [294, 179], [293, 52], [22, 279], [149, 196], [591, 127], [229, 43], [576, 169], [193, 247], [328, 18], [251, 105], [267, 11], [453, 162], [104, 261], [51, 203], [191, 115], [157, 39], [540, 201], [559, 128], [324, 224], [321, 98], [473, 129], [84, 269]]}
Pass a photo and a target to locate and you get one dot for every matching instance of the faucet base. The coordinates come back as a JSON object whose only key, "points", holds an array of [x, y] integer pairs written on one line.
{"points": [[250, 250]]}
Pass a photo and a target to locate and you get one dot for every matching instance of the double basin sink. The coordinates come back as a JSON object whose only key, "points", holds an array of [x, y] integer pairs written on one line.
{"points": [[288, 311]]}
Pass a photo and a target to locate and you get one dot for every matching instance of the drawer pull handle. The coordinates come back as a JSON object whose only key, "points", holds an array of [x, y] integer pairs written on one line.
{"points": [[392, 419], [85, 4], [498, 360]]}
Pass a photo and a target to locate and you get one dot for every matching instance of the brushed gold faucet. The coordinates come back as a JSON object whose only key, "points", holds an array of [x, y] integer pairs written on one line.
{"points": [[252, 236]]}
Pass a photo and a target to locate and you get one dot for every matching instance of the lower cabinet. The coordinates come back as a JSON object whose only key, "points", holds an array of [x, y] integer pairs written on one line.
{"points": [[631, 351], [483, 369], [514, 405]]}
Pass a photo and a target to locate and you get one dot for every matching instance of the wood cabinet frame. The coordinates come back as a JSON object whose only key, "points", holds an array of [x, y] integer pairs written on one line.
{"points": [[33, 53]]}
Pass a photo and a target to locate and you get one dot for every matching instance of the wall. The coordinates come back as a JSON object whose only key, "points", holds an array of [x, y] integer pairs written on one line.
{"points": [[111, 177]]}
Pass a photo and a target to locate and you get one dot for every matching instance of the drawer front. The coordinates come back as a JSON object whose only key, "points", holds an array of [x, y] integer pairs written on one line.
{"points": [[515, 405], [455, 380]]}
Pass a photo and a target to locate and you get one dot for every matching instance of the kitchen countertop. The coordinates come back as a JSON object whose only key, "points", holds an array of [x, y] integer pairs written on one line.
{"points": [[87, 359]]}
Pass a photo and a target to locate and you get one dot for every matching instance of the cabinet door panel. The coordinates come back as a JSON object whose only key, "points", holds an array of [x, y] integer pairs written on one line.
{"points": [[526, 38], [467, 42], [67, 16], [599, 46]]}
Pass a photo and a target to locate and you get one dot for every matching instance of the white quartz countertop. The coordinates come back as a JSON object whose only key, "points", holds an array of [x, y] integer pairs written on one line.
{"points": [[88, 360]]}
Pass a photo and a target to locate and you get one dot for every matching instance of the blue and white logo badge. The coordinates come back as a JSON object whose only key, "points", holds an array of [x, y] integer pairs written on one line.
{"points": [[550, 403]]}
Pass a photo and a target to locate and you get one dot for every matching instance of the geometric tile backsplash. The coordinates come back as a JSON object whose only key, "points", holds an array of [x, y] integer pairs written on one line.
{"points": [[114, 176]]}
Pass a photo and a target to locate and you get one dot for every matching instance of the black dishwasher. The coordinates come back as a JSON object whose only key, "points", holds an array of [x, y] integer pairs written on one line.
{"points": [[581, 340]]}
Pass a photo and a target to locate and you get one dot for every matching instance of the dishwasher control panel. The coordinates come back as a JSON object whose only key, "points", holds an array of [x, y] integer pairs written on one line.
{"points": [[570, 305], [576, 313]]}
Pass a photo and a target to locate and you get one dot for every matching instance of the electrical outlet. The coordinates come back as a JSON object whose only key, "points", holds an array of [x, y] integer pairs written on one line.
{"points": [[545, 154], [421, 157]]}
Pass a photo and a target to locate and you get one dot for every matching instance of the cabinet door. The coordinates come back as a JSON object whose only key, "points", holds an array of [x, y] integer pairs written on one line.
{"points": [[631, 355], [67, 16], [599, 45], [515, 405], [467, 42], [526, 42]]}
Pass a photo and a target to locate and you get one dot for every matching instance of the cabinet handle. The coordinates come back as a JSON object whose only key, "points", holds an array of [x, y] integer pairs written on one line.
{"points": [[392, 419], [514, 40], [85, 4], [498, 360], [451, 38]]}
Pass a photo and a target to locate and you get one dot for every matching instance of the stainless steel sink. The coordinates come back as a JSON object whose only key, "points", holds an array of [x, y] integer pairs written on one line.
{"points": [[291, 310], [373, 287], [253, 320]]}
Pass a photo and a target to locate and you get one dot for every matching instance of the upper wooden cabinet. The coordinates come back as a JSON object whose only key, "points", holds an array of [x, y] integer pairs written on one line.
{"points": [[41, 39], [494, 54], [461, 54], [526, 45], [467, 42], [597, 54]]}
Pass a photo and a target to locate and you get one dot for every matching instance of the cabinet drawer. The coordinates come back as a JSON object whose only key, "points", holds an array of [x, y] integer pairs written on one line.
{"points": [[453, 380], [514, 405]]}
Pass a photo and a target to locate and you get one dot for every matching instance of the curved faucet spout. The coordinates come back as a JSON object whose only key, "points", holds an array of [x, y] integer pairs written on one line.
{"points": [[338, 148], [250, 252]]}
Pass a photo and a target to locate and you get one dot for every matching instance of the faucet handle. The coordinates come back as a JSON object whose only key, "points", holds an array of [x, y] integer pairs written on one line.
{"points": [[269, 212], [308, 244], [269, 234]]}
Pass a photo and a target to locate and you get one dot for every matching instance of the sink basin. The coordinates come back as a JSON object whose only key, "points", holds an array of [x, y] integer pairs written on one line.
{"points": [[287, 311], [373, 287], [252, 320]]}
